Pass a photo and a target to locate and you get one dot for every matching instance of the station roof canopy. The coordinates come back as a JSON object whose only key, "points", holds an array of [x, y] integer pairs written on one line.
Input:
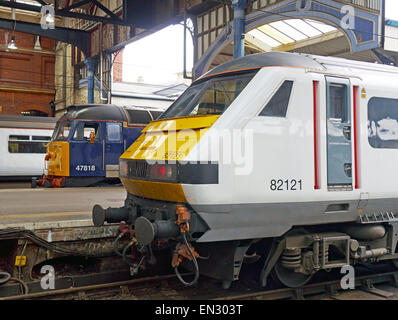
{"points": [[285, 32], [297, 35]]}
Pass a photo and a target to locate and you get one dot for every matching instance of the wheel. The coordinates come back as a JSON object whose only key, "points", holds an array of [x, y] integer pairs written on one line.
{"points": [[47, 184], [289, 278], [33, 184]]}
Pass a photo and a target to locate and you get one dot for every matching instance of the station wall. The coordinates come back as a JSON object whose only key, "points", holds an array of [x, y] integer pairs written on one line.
{"points": [[26, 74]]}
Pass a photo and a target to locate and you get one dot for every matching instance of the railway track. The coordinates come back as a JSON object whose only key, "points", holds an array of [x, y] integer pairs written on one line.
{"points": [[167, 287], [330, 289]]}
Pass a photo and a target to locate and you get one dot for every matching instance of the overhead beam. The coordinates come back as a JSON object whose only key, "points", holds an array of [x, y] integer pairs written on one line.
{"points": [[76, 15], [42, 2], [175, 20], [106, 10], [83, 16], [78, 38], [257, 44], [309, 42], [74, 6]]}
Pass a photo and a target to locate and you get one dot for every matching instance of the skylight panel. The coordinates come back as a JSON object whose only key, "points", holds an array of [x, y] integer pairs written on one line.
{"points": [[265, 38], [276, 34], [320, 26], [303, 27], [288, 30]]}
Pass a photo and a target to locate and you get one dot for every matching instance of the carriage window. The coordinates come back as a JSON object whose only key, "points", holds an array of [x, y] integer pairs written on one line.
{"points": [[84, 130], [338, 101], [383, 123], [113, 131], [41, 138], [15, 137], [23, 144], [277, 106]]}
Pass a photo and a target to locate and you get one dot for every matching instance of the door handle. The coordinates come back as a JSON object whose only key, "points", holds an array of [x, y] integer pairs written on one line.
{"points": [[347, 132], [348, 169]]}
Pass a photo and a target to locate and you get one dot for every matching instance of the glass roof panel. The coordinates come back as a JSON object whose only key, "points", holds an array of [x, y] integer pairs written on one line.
{"points": [[288, 30], [265, 38], [276, 34], [303, 27], [323, 27]]}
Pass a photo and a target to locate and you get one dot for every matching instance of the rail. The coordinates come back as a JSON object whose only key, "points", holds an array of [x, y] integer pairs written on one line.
{"points": [[330, 288]]}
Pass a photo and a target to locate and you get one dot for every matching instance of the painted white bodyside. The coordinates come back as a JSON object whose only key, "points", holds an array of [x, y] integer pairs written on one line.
{"points": [[283, 148], [20, 164]]}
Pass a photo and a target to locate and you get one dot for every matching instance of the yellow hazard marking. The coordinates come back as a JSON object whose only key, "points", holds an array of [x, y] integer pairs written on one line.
{"points": [[42, 215], [155, 190], [166, 139], [20, 262]]}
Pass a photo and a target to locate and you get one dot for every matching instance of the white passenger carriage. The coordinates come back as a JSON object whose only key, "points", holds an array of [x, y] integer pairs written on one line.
{"points": [[23, 146]]}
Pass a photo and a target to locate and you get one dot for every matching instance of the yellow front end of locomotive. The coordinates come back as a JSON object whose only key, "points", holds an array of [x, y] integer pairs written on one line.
{"points": [[57, 158], [167, 140]]}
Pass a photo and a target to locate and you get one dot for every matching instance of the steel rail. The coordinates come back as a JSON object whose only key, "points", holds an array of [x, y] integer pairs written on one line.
{"points": [[89, 288], [316, 288], [331, 287]]}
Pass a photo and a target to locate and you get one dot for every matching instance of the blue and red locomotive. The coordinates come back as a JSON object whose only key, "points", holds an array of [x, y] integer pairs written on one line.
{"points": [[88, 141]]}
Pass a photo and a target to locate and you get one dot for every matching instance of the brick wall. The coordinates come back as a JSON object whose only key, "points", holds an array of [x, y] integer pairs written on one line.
{"points": [[118, 67], [26, 75]]}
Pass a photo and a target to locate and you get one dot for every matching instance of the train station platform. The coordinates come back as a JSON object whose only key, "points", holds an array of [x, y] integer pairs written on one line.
{"points": [[32, 206]]}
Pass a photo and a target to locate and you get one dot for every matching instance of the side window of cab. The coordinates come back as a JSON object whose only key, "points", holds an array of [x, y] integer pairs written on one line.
{"points": [[277, 106], [113, 131], [86, 130]]}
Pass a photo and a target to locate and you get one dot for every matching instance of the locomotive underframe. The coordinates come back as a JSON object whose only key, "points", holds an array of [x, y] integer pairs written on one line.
{"points": [[303, 250]]}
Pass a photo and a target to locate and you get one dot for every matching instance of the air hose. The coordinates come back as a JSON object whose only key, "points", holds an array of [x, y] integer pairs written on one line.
{"points": [[195, 262], [4, 277], [124, 253], [115, 249]]}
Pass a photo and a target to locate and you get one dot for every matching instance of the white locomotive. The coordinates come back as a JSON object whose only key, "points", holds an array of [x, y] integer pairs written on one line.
{"points": [[304, 175]]}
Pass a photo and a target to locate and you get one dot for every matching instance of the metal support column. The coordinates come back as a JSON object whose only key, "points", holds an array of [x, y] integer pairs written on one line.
{"points": [[239, 7], [91, 65]]}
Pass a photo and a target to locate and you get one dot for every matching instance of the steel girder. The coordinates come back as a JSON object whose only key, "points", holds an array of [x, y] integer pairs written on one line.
{"points": [[78, 38], [66, 12]]}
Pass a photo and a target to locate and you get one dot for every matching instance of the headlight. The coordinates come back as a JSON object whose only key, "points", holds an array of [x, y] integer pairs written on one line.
{"points": [[189, 173], [123, 169], [163, 172]]}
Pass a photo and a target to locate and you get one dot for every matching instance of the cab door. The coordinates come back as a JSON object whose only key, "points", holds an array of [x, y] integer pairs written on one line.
{"points": [[113, 143], [113, 148], [86, 150], [339, 133]]}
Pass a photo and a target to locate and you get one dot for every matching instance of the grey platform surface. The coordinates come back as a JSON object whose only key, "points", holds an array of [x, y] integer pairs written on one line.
{"points": [[20, 206]]}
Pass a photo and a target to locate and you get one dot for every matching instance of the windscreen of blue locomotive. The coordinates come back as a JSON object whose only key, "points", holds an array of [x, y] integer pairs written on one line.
{"points": [[62, 130], [208, 97]]}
